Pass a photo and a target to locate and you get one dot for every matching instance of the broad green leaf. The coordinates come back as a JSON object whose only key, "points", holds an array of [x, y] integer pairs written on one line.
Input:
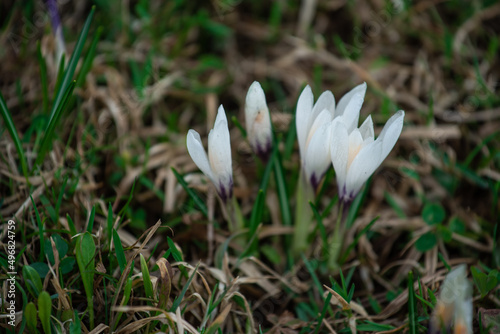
{"points": [[426, 242], [31, 316], [433, 214], [32, 280], [45, 310]]}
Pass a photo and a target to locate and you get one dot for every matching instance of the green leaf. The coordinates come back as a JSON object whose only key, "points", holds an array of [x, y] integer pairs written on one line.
{"points": [[433, 214], [67, 264], [457, 225], [426, 242], [75, 327], [485, 283], [32, 280], [369, 326], [41, 268], [61, 246], [45, 310], [31, 316], [445, 233], [271, 253]]}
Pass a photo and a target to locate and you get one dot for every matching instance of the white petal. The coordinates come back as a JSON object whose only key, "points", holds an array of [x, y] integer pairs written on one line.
{"points": [[391, 132], [344, 101], [317, 159], [366, 129], [323, 118], [325, 101], [351, 111], [255, 102], [258, 121], [339, 149], [219, 150], [362, 167], [198, 154], [455, 287], [355, 144], [303, 116]]}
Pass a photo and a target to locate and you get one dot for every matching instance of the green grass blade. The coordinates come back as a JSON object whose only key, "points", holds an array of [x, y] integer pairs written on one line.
{"points": [[89, 58], [40, 230], [43, 80], [197, 200], [257, 212], [65, 90], [412, 315], [356, 239], [321, 226], [120, 253], [109, 223], [51, 126], [323, 313], [84, 252], [146, 279], [179, 298], [73, 61], [9, 124], [90, 225]]}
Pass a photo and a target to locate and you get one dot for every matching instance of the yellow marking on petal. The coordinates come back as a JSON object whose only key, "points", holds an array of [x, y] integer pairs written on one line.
{"points": [[460, 328], [353, 152], [260, 117]]}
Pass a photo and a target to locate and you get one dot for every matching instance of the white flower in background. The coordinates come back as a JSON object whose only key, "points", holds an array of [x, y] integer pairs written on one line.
{"points": [[354, 152], [313, 121], [454, 303], [217, 166], [258, 121]]}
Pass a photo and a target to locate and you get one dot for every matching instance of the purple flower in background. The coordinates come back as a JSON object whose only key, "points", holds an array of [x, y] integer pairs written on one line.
{"points": [[57, 28]]}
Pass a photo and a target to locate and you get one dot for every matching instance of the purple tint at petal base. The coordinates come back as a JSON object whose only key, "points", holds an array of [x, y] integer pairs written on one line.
{"points": [[54, 14], [224, 193], [263, 152]]}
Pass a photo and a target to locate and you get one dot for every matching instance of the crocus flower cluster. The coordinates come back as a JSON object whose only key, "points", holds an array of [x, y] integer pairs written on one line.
{"points": [[330, 134], [454, 305], [327, 134], [217, 165]]}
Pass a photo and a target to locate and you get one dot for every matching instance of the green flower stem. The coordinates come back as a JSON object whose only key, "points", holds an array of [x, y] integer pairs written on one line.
{"points": [[336, 238], [235, 219], [303, 215]]}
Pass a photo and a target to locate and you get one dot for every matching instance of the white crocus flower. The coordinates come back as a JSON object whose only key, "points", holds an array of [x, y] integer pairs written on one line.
{"points": [[313, 123], [454, 303], [356, 155], [258, 121], [217, 165]]}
